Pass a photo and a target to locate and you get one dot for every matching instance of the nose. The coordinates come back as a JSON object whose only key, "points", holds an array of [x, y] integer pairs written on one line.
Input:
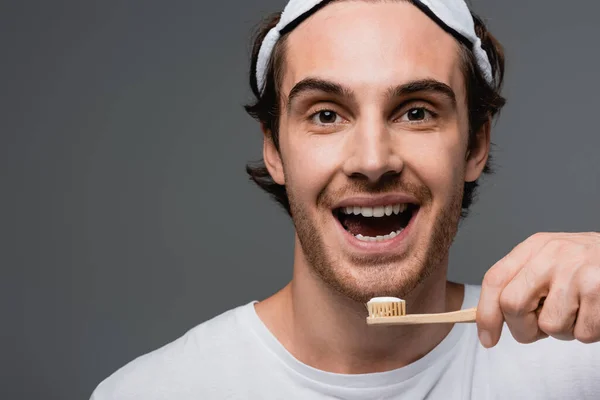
{"points": [[372, 151]]}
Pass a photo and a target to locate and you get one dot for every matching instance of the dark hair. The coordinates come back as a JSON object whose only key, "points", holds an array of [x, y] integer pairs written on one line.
{"points": [[484, 101]]}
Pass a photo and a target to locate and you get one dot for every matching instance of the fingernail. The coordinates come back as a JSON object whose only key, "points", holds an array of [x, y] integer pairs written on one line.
{"points": [[485, 338]]}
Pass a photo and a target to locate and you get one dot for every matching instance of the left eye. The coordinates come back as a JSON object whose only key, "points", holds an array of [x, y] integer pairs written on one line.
{"points": [[416, 114], [326, 117]]}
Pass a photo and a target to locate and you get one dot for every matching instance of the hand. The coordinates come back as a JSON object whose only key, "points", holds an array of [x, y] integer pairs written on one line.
{"points": [[549, 285]]}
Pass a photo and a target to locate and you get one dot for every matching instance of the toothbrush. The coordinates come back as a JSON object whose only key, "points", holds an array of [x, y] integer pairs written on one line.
{"points": [[392, 311]]}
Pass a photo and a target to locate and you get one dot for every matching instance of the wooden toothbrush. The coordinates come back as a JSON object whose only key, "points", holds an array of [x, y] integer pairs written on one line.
{"points": [[392, 311]]}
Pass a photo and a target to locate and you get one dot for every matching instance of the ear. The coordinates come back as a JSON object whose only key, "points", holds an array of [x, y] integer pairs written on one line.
{"points": [[477, 157], [272, 158]]}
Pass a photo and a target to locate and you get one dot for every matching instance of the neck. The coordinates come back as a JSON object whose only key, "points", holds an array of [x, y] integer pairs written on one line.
{"points": [[327, 330]]}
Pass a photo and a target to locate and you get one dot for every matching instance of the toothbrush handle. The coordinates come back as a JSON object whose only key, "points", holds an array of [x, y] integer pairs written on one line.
{"points": [[461, 316]]}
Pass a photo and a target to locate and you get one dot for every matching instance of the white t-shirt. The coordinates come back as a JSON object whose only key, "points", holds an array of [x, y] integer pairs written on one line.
{"points": [[234, 356]]}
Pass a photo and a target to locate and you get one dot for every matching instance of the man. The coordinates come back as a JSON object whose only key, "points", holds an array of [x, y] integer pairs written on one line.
{"points": [[377, 122]]}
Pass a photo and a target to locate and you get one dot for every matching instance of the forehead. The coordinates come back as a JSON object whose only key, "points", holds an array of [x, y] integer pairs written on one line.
{"points": [[370, 46]]}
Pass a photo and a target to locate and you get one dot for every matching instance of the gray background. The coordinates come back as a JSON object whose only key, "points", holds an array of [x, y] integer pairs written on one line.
{"points": [[126, 217]]}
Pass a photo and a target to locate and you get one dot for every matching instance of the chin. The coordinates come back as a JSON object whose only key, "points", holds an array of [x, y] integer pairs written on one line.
{"points": [[363, 282]]}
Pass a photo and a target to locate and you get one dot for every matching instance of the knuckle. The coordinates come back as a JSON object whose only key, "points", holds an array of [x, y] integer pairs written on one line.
{"points": [[552, 326], [557, 314], [590, 281], [493, 278], [581, 253], [587, 330], [533, 273], [587, 337], [556, 245], [524, 337], [538, 237], [511, 305]]}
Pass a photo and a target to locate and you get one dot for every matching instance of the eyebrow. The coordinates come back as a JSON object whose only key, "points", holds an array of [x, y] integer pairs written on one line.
{"points": [[320, 85], [329, 87], [423, 85]]}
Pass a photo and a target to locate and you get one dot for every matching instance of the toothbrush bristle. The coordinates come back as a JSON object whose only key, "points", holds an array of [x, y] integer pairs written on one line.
{"points": [[391, 308]]}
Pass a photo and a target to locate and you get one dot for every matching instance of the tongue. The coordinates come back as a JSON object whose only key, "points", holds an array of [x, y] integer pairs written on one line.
{"points": [[370, 226]]}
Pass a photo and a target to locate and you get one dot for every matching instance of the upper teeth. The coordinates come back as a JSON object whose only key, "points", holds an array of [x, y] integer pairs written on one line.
{"points": [[378, 211]]}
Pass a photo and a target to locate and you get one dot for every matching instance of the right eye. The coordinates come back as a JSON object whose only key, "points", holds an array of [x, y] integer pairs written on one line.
{"points": [[326, 117]]}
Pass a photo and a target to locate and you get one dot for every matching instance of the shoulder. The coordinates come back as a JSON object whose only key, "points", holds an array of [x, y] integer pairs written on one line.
{"points": [[548, 367], [184, 365]]}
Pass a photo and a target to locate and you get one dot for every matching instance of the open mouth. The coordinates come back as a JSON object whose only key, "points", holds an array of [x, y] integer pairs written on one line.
{"points": [[375, 224]]}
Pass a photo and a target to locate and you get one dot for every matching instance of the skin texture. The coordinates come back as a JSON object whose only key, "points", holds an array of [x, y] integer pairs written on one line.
{"points": [[376, 139], [372, 147], [563, 270]]}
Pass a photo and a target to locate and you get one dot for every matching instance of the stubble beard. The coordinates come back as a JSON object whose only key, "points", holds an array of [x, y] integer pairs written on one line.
{"points": [[362, 278]]}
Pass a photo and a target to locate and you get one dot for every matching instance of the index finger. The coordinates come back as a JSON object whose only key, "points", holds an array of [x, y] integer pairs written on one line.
{"points": [[489, 314]]}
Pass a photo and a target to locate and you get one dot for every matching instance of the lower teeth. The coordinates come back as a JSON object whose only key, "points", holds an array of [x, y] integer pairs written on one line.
{"points": [[377, 238]]}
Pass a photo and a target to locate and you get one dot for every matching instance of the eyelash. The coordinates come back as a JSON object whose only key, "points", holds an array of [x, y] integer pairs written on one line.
{"points": [[320, 110], [432, 113]]}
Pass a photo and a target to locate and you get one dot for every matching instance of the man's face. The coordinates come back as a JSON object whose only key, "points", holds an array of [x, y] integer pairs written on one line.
{"points": [[374, 121]]}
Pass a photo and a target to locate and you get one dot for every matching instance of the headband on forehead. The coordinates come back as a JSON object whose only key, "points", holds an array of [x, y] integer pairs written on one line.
{"points": [[451, 15]]}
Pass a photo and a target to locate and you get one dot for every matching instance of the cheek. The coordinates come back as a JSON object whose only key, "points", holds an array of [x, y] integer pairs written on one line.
{"points": [[437, 159], [310, 162]]}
